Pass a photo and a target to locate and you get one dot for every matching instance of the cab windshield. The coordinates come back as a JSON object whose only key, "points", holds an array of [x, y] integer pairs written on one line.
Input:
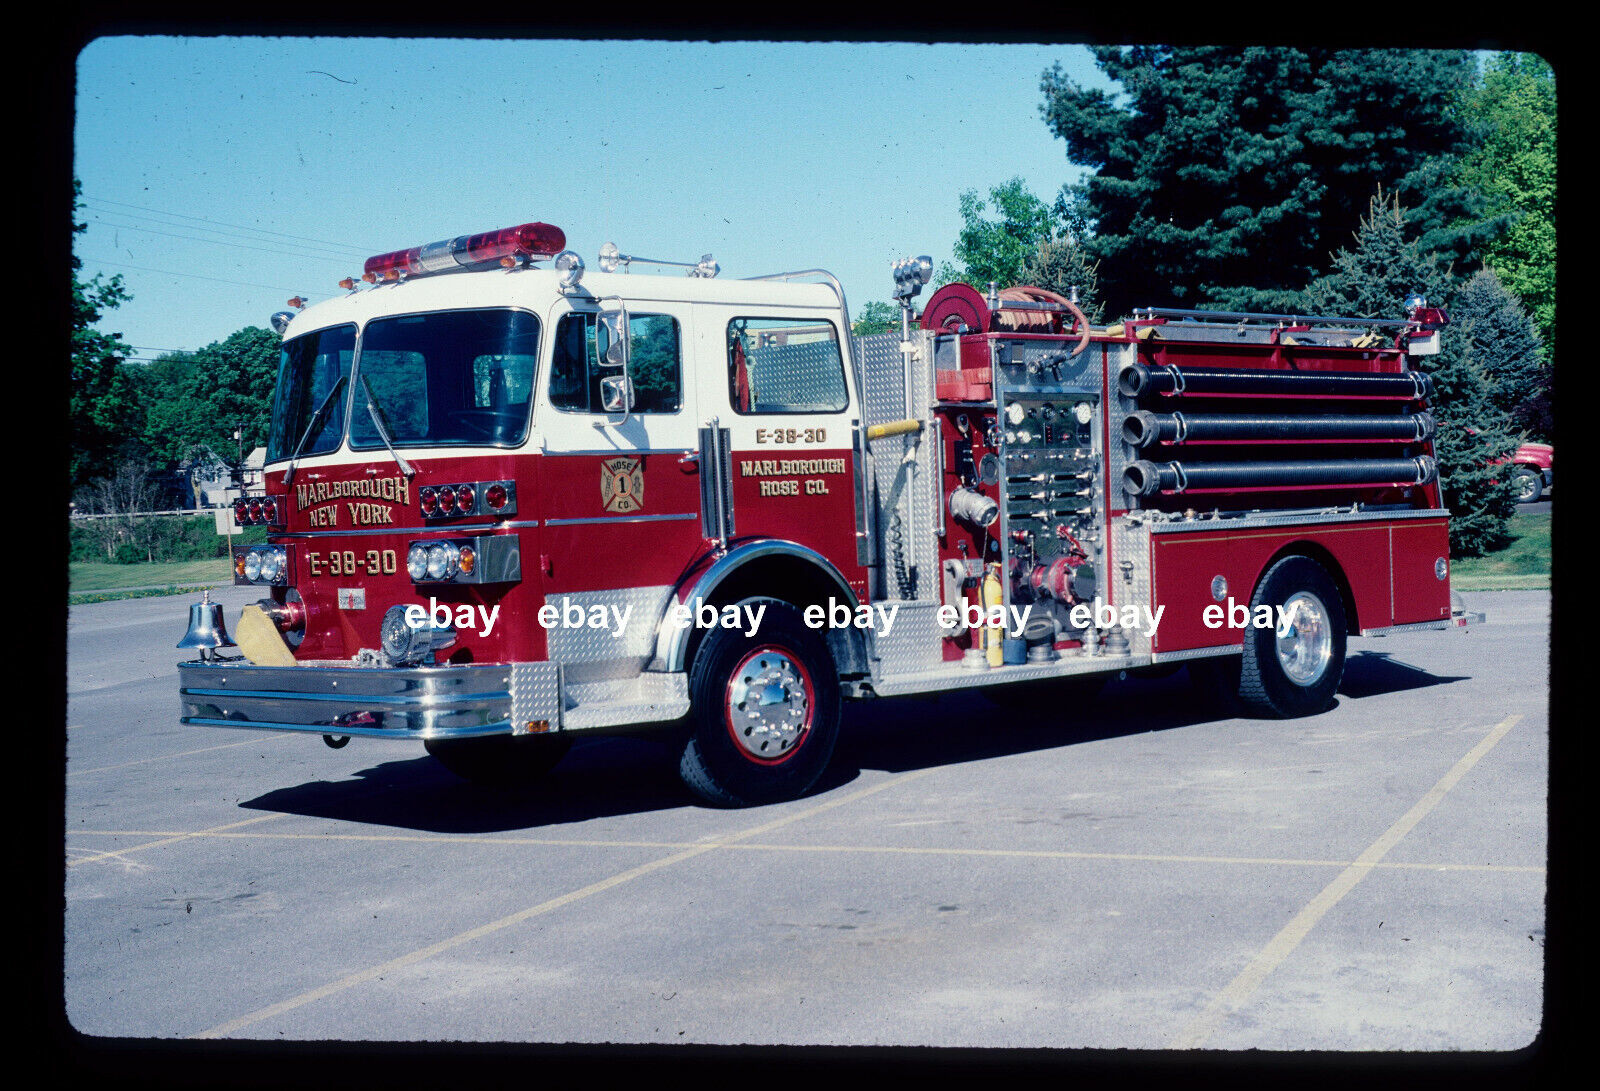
{"points": [[313, 374], [451, 378]]}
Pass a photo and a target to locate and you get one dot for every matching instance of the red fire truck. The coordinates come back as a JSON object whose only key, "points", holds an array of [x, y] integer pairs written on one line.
{"points": [[510, 502]]}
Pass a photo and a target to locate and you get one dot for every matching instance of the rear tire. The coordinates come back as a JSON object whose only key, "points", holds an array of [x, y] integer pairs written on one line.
{"points": [[764, 711], [501, 761], [1295, 674]]}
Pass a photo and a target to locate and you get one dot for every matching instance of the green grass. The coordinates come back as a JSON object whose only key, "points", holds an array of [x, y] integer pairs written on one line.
{"points": [[1524, 564], [84, 576], [89, 597]]}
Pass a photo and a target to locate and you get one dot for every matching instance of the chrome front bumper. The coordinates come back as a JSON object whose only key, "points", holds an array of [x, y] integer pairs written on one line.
{"points": [[417, 703]]}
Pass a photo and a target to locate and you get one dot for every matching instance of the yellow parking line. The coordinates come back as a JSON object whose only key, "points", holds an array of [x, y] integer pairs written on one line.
{"points": [[170, 840], [758, 846], [1281, 945], [373, 972], [162, 757]]}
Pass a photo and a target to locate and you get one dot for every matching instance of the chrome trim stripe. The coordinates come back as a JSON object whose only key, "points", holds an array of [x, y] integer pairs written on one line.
{"points": [[955, 677], [1196, 653], [618, 519], [1414, 627], [498, 727], [427, 700], [1298, 518]]}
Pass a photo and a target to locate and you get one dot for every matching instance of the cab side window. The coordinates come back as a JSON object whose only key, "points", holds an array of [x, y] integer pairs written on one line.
{"points": [[655, 364], [785, 365]]}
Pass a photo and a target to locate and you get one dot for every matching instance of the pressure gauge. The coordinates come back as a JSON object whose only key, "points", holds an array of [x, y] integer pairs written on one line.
{"points": [[1015, 413], [1083, 411]]}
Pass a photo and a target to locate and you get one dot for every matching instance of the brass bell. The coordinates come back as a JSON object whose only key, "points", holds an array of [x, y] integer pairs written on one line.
{"points": [[206, 627]]}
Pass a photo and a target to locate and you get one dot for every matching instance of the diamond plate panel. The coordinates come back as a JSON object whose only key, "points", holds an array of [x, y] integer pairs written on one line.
{"points": [[805, 375], [1128, 583], [890, 394], [1077, 373], [883, 395], [589, 654], [912, 646], [652, 697], [535, 695]]}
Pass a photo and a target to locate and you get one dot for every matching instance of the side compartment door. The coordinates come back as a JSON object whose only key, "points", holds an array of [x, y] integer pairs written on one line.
{"points": [[775, 378], [619, 502]]}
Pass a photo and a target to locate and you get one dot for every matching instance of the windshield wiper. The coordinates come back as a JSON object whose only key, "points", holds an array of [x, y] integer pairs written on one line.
{"points": [[311, 426], [383, 432]]}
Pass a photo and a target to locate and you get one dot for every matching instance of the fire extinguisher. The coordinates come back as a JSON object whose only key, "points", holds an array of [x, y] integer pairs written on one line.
{"points": [[994, 631]]}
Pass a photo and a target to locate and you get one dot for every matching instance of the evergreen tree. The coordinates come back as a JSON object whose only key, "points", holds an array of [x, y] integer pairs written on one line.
{"points": [[1502, 339], [1062, 265], [1474, 433], [1225, 176], [1386, 266]]}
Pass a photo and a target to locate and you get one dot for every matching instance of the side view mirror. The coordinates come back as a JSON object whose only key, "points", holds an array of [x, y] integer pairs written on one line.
{"points": [[611, 336], [617, 394]]}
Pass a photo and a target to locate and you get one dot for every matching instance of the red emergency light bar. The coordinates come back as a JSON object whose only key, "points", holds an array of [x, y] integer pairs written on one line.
{"points": [[534, 240]]}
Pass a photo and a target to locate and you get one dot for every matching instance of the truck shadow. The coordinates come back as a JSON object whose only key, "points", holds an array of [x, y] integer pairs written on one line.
{"points": [[597, 779], [1369, 674], [907, 734], [606, 777]]}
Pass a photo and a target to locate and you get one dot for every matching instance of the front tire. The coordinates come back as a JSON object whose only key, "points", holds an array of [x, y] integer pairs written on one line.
{"points": [[764, 711], [1296, 673], [501, 761]]}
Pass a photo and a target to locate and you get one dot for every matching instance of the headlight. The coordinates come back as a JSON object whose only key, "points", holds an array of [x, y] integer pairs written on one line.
{"points": [[417, 561], [274, 563], [443, 561], [252, 565]]}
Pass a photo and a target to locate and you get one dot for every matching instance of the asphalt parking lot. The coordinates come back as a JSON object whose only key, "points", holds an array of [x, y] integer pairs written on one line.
{"points": [[1133, 873]]}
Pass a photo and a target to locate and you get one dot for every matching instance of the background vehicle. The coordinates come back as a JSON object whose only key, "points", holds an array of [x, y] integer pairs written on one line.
{"points": [[1532, 471]]}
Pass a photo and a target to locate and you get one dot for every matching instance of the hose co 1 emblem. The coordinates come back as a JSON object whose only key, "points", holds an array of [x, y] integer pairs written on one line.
{"points": [[622, 484]]}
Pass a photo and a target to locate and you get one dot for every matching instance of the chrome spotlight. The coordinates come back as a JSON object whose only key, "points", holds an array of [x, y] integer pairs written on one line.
{"points": [[410, 637]]}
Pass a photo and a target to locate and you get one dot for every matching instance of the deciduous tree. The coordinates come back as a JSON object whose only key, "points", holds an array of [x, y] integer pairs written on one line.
{"points": [[1515, 166], [104, 411]]}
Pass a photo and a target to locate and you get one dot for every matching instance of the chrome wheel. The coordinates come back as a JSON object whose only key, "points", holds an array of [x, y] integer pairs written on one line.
{"points": [[1297, 672], [1305, 650], [764, 711], [769, 704]]}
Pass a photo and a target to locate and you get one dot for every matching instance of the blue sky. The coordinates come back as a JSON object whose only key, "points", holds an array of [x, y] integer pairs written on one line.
{"points": [[223, 175]]}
